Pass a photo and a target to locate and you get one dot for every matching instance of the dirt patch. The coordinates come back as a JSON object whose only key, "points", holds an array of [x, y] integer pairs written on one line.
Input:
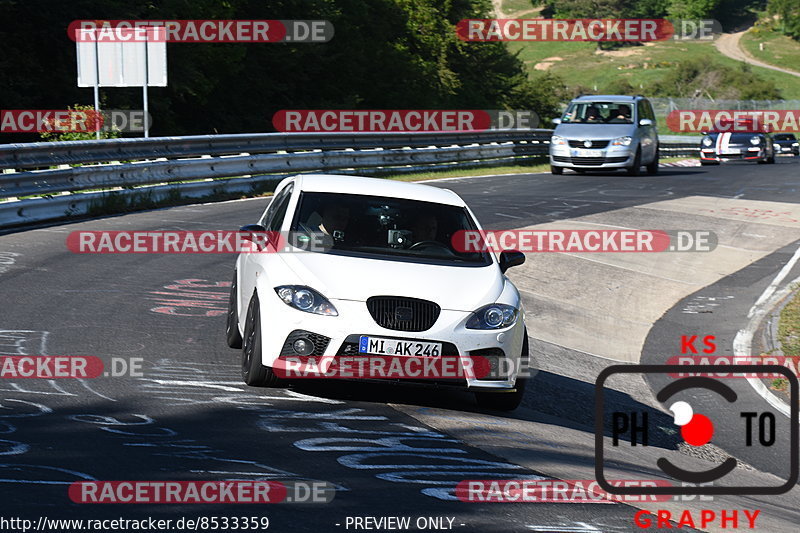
{"points": [[625, 52], [544, 65]]}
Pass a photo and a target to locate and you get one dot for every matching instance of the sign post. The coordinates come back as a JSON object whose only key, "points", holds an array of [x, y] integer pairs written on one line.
{"points": [[138, 60]]}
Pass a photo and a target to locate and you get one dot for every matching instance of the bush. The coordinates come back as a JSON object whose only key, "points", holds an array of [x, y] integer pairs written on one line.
{"points": [[699, 77]]}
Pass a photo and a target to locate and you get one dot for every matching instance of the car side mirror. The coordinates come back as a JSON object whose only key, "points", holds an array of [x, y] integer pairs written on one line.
{"points": [[645, 122], [510, 259], [556, 121], [252, 228]]}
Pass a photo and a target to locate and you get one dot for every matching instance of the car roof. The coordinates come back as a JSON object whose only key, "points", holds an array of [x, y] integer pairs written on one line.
{"points": [[334, 183], [607, 98]]}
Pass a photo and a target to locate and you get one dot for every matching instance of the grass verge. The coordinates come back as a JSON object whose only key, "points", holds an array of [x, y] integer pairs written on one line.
{"points": [[779, 50], [585, 69], [789, 327]]}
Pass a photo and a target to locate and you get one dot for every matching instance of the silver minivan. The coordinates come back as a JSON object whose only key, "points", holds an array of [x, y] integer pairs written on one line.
{"points": [[605, 132]]}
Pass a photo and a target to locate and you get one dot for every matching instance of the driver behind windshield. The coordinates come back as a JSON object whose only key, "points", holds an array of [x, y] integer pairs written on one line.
{"points": [[424, 228], [621, 114], [593, 114]]}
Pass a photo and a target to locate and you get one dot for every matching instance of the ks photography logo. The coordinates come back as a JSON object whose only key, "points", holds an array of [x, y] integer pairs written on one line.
{"points": [[753, 429]]}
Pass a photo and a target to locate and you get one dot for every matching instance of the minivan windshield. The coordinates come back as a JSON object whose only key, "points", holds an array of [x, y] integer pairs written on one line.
{"points": [[394, 228], [598, 113]]}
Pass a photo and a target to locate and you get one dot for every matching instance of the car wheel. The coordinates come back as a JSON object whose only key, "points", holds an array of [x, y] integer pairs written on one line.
{"points": [[253, 372], [506, 401], [636, 168], [652, 168], [556, 170], [232, 334]]}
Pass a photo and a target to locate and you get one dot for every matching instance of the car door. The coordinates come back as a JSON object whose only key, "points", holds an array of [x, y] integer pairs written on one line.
{"points": [[647, 134], [250, 263]]}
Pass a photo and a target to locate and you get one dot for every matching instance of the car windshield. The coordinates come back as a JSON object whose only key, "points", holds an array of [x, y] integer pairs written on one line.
{"points": [[785, 137], [743, 138], [598, 113], [387, 227]]}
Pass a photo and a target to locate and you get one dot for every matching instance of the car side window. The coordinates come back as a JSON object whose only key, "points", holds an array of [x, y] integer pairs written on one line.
{"points": [[277, 210], [647, 110], [640, 111]]}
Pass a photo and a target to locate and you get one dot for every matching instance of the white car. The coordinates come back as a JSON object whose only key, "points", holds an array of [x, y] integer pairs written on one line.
{"points": [[390, 273]]}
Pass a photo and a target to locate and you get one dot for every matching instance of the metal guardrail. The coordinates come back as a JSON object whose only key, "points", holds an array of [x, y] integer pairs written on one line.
{"points": [[30, 155], [191, 167]]}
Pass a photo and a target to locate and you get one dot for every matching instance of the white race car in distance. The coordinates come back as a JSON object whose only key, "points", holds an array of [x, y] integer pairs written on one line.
{"points": [[390, 275]]}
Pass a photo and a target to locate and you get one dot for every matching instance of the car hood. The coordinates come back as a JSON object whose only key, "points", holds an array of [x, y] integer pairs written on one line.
{"points": [[356, 278], [594, 131]]}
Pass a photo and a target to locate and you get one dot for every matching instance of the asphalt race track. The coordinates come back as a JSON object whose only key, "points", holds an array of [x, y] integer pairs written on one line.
{"points": [[389, 451]]}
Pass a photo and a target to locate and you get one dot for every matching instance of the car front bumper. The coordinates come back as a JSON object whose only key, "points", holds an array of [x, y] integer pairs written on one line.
{"points": [[336, 333], [605, 158]]}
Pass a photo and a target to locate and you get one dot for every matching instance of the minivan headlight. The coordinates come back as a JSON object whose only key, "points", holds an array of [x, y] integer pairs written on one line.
{"points": [[493, 316], [707, 141], [755, 139], [306, 299], [622, 141], [558, 140]]}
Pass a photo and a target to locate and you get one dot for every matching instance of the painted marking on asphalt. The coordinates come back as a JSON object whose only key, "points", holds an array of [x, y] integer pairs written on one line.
{"points": [[192, 298], [7, 260], [20, 469], [507, 216], [743, 341], [23, 342], [704, 304], [770, 290], [581, 527]]}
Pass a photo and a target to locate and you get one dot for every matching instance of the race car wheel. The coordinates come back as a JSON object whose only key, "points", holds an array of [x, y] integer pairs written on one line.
{"points": [[253, 372], [233, 337], [636, 168]]}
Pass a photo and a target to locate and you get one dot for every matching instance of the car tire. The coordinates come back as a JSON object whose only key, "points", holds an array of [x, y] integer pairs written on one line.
{"points": [[652, 168], [253, 372], [506, 401], [636, 168], [771, 160], [557, 171], [233, 337]]}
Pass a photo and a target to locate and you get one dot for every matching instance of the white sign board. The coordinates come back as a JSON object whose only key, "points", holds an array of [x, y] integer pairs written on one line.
{"points": [[121, 63]]}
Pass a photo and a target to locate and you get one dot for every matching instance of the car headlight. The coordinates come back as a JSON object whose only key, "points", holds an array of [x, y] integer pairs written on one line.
{"points": [[558, 140], [755, 139], [776, 147], [621, 141], [493, 316], [795, 144], [306, 299], [707, 141]]}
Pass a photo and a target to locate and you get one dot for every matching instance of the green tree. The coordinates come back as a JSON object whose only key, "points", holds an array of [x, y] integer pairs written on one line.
{"points": [[788, 12]]}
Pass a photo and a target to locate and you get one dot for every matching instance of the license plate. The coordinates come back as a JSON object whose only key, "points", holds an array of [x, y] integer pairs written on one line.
{"points": [[580, 152], [380, 346]]}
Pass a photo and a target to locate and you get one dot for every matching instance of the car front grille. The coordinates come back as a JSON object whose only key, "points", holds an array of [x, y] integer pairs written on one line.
{"points": [[589, 161], [403, 314], [594, 144]]}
